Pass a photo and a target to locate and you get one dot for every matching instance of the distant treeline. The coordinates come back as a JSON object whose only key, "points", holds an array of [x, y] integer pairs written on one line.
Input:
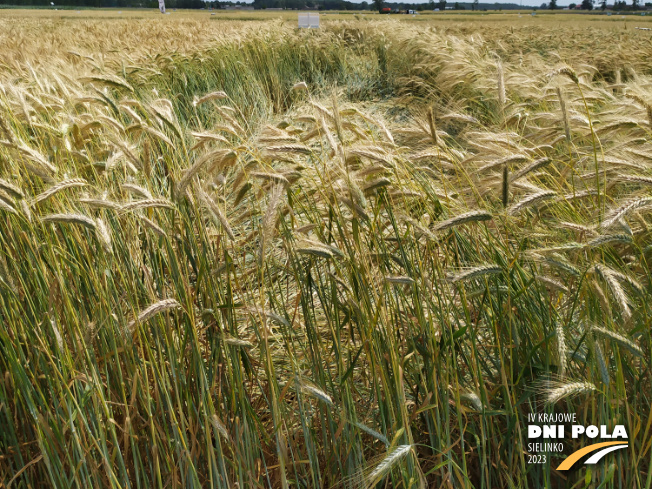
{"points": [[345, 5], [186, 4]]}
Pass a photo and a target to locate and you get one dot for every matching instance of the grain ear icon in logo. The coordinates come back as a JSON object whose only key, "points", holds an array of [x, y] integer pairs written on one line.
{"points": [[601, 450]]}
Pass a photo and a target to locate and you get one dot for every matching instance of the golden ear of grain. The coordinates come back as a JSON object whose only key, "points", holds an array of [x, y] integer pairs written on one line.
{"points": [[530, 200], [147, 204], [619, 339], [467, 217], [312, 390], [387, 464], [268, 224], [568, 72], [103, 235], [476, 272], [564, 114], [12, 189], [109, 80], [217, 213], [7, 207], [70, 219], [101, 204], [502, 95], [74, 182], [153, 310], [571, 389], [153, 226], [562, 349], [219, 95], [505, 186], [617, 214], [137, 190]]}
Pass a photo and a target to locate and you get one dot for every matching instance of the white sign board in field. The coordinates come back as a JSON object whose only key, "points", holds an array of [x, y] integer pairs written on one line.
{"points": [[308, 21]]}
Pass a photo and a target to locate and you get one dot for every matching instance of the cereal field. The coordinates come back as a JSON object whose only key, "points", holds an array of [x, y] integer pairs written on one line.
{"points": [[236, 254]]}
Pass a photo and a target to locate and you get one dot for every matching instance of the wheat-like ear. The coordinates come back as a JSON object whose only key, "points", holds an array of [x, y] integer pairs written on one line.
{"points": [[530, 200], [109, 80], [432, 126], [238, 342], [219, 427], [74, 182], [602, 363], [272, 177], [473, 399], [211, 158], [7, 207], [502, 96], [647, 106], [268, 224], [467, 217], [312, 390], [552, 283], [153, 310], [535, 165], [153, 226], [70, 219], [561, 349], [568, 72], [621, 340], [300, 86], [101, 204], [610, 238], [399, 280], [136, 190], [220, 95], [505, 186], [475, 273], [8, 133], [217, 213], [147, 204], [641, 180], [316, 248], [12, 189], [611, 278], [372, 432], [387, 464], [103, 235], [564, 114], [564, 391], [578, 227], [617, 214]]}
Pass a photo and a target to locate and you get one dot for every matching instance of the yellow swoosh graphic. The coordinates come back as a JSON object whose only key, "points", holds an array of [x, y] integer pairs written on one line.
{"points": [[575, 456]]}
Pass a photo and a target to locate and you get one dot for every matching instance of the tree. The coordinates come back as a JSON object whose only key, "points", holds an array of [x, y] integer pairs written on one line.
{"points": [[379, 4], [442, 5], [552, 5], [544, 6], [571, 6], [475, 5], [634, 4], [588, 4]]}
